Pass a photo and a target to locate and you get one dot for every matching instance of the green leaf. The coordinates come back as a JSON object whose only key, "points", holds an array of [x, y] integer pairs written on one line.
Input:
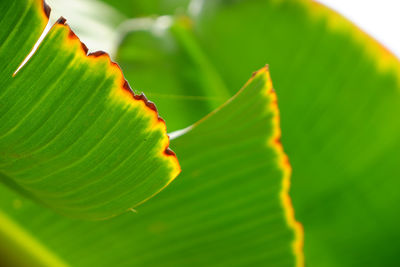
{"points": [[339, 99], [73, 135], [229, 206]]}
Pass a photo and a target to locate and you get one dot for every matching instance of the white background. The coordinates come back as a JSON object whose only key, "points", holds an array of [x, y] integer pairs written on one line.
{"points": [[379, 18]]}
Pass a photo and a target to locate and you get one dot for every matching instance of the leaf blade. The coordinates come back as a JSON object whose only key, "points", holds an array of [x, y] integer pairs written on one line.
{"points": [[56, 139]]}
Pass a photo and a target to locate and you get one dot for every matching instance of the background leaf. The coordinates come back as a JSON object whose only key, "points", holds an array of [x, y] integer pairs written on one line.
{"points": [[339, 97], [138, 8], [185, 78]]}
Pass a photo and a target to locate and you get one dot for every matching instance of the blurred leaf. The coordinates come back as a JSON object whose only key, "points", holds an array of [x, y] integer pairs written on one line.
{"points": [[228, 207], [140, 8], [339, 98], [185, 78], [72, 135]]}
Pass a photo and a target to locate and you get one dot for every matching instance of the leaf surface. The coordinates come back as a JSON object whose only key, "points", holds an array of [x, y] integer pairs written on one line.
{"points": [[73, 135], [230, 205]]}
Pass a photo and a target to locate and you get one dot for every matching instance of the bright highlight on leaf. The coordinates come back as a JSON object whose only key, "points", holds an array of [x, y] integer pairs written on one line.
{"points": [[73, 135]]}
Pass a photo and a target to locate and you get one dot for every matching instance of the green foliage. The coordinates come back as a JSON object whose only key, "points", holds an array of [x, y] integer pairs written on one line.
{"points": [[338, 91]]}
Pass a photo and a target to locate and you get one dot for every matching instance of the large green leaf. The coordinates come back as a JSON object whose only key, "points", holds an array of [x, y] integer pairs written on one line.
{"points": [[230, 206], [339, 97], [72, 135]]}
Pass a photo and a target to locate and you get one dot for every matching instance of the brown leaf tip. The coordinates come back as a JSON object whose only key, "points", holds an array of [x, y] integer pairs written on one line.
{"points": [[148, 103], [168, 152], [46, 9], [61, 21], [84, 48], [126, 87], [141, 97], [97, 54], [277, 141], [72, 35]]}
